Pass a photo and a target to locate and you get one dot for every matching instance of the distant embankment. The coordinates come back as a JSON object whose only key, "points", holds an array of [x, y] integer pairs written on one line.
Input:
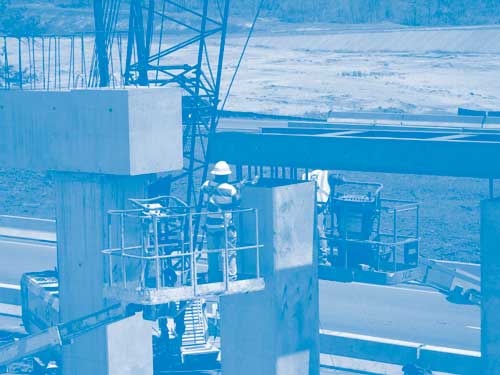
{"points": [[480, 39]]}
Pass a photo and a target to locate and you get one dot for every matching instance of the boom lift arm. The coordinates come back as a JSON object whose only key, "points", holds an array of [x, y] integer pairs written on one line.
{"points": [[64, 333]]}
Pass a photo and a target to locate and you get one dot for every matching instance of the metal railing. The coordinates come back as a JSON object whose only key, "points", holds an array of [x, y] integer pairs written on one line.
{"points": [[393, 240], [398, 352], [158, 258]]}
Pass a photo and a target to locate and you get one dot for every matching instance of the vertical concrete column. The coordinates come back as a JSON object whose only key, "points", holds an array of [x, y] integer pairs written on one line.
{"points": [[490, 286], [276, 331], [103, 145], [83, 200]]}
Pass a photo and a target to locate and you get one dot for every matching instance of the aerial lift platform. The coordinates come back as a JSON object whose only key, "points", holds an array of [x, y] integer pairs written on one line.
{"points": [[159, 254], [370, 239], [156, 262]]}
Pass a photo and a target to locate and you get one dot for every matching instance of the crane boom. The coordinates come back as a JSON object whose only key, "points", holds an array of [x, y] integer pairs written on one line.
{"points": [[63, 334]]}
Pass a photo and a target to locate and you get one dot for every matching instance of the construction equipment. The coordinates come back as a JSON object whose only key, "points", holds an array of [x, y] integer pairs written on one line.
{"points": [[39, 300], [180, 338], [62, 334], [369, 238], [153, 258], [40, 311], [154, 254], [154, 268]]}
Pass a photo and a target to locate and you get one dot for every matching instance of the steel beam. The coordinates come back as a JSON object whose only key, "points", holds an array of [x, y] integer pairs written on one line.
{"points": [[445, 153]]}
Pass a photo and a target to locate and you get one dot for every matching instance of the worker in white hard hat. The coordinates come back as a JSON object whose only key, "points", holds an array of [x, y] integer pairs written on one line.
{"points": [[320, 177], [325, 183], [221, 198]]}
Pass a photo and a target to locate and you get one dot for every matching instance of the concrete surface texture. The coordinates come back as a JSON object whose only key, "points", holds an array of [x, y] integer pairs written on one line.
{"points": [[490, 285], [82, 203], [125, 131], [118, 138], [253, 326]]}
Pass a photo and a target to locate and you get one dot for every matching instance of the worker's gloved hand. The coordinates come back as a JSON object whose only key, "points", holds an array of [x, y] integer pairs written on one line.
{"points": [[246, 181]]}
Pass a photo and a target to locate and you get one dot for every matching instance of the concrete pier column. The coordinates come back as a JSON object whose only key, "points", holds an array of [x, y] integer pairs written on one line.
{"points": [[82, 201], [276, 331], [103, 146], [490, 286]]}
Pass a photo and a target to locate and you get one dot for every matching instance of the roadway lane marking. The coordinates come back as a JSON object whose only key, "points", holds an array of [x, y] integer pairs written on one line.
{"points": [[22, 243], [10, 286], [457, 262], [373, 339], [398, 288], [473, 327]]}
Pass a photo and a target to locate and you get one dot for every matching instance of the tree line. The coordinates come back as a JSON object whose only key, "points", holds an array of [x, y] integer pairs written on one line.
{"points": [[408, 12]]}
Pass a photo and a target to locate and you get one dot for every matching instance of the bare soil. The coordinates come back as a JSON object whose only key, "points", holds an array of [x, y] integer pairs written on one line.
{"points": [[305, 73]]}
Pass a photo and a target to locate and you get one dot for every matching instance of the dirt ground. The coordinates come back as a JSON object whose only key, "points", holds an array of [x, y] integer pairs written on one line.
{"points": [[449, 210], [449, 206], [26, 193], [305, 73]]}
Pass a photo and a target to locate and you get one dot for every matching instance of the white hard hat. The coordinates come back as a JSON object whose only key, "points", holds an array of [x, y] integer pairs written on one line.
{"points": [[221, 168], [314, 175]]}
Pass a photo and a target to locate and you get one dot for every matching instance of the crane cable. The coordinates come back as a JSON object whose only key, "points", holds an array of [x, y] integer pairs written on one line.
{"points": [[249, 36]]}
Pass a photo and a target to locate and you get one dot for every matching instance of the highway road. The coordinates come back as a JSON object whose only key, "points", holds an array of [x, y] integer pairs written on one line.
{"points": [[20, 256], [406, 312]]}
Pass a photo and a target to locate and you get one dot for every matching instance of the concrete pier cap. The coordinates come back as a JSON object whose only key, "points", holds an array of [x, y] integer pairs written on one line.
{"points": [[103, 146], [130, 131]]}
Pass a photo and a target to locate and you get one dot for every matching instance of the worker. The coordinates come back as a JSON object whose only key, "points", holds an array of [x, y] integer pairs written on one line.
{"points": [[322, 195], [325, 186], [220, 198]]}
